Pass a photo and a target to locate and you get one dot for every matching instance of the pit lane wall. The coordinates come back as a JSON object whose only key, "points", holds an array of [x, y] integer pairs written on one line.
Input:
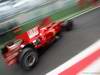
{"points": [[26, 19]]}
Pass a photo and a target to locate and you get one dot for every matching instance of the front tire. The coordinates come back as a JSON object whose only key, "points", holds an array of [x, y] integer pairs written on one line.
{"points": [[28, 58], [69, 25]]}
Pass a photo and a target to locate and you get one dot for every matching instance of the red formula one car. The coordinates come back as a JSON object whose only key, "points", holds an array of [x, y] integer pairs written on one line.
{"points": [[24, 50]]}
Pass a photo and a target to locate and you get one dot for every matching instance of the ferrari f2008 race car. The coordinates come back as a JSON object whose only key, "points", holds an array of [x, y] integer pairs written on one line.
{"points": [[25, 49]]}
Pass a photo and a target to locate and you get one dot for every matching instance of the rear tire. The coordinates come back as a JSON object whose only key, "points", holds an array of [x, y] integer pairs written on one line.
{"points": [[28, 58]]}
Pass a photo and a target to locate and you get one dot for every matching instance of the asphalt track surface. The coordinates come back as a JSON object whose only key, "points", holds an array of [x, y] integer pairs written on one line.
{"points": [[86, 32]]}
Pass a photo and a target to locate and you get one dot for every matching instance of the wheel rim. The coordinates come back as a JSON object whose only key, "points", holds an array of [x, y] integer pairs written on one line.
{"points": [[30, 60]]}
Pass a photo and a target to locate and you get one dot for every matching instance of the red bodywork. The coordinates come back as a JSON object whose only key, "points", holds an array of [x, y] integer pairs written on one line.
{"points": [[39, 36]]}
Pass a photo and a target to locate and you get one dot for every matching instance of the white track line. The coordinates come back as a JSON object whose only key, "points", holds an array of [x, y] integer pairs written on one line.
{"points": [[77, 14]]}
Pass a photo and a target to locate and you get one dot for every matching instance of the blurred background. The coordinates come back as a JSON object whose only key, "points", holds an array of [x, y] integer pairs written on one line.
{"points": [[23, 14]]}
